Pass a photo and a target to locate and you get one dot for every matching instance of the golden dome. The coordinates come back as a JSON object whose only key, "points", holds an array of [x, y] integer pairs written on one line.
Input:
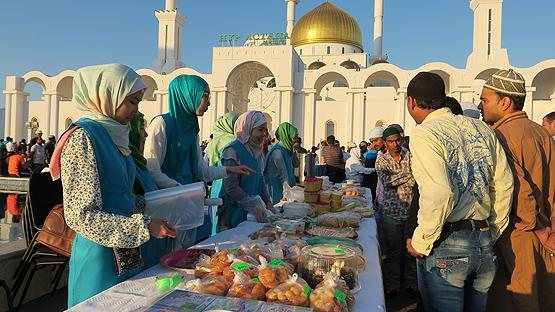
{"points": [[327, 23]]}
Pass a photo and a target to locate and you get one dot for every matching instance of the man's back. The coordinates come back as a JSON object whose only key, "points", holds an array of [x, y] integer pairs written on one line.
{"points": [[333, 156], [458, 163]]}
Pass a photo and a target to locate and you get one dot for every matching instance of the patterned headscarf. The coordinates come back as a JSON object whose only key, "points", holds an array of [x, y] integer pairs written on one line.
{"points": [[286, 134], [243, 129], [185, 94], [98, 91], [135, 126], [223, 135]]}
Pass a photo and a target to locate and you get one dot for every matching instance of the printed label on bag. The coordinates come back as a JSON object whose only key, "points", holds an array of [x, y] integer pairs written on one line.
{"points": [[236, 249], [340, 295], [240, 266], [306, 291], [340, 251], [275, 263], [255, 280]]}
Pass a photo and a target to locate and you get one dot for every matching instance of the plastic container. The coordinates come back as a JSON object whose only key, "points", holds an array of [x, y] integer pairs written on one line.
{"points": [[295, 194], [313, 184], [311, 197], [325, 197], [321, 208], [295, 210], [316, 261]]}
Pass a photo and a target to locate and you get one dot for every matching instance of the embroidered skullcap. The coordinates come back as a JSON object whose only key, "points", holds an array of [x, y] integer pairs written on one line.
{"points": [[376, 133], [390, 131], [507, 82]]}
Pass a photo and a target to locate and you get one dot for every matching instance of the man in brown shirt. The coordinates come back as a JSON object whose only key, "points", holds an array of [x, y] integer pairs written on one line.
{"points": [[525, 280], [333, 158]]}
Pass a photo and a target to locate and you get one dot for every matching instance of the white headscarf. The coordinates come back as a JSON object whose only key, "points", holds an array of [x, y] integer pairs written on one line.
{"points": [[243, 129], [354, 159], [98, 91]]}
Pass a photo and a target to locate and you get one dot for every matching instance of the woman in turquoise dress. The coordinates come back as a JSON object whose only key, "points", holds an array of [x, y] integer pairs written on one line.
{"points": [[278, 166], [97, 170], [223, 135], [172, 148], [247, 149], [155, 248]]}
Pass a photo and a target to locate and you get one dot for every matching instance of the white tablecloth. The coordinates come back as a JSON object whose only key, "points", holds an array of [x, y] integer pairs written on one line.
{"points": [[139, 292]]}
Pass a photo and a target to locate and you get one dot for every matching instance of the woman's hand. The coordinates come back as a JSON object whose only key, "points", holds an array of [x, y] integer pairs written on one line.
{"points": [[161, 229], [260, 214], [244, 170]]}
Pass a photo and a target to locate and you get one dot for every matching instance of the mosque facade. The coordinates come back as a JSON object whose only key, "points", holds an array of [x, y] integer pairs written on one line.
{"points": [[315, 75]]}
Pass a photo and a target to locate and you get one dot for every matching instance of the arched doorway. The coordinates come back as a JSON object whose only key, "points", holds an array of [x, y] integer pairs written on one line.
{"points": [[543, 100], [244, 85]]}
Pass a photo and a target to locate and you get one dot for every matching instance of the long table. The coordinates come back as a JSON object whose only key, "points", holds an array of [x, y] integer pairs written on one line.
{"points": [[139, 292]]}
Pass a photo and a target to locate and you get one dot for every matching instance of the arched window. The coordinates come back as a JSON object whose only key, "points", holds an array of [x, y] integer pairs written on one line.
{"points": [[68, 122], [329, 49], [343, 50], [330, 128]]}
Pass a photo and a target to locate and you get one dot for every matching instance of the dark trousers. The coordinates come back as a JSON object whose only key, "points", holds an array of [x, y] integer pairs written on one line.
{"points": [[336, 175]]}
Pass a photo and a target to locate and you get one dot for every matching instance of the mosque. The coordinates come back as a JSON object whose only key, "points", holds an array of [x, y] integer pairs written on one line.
{"points": [[315, 75]]}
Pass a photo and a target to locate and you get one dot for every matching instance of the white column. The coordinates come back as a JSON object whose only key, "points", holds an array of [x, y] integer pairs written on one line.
{"points": [[277, 109], [7, 114], [48, 122], [287, 105], [529, 102], [349, 116], [160, 96], [358, 121], [17, 118], [171, 5], [378, 28], [309, 117], [402, 100]]}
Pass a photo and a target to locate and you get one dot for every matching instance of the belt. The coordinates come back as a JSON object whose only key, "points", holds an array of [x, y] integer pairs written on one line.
{"points": [[469, 224]]}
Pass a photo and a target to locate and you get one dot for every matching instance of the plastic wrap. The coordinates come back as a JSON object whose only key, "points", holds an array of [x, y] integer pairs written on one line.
{"points": [[294, 291], [332, 295], [273, 273], [181, 206], [203, 266], [214, 285], [339, 219], [294, 194], [246, 265], [247, 287], [295, 210]]}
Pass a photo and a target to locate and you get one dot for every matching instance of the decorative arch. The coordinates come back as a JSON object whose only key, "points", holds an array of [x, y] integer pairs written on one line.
{"points": [[64, 88], [240, 82], [382, 78], [544, 82], [151, 87], [349, 64], [316, 65], [338, 79], [446, 77]]}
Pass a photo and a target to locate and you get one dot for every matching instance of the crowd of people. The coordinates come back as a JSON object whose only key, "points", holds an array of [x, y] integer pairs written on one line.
{"points": [[450, 200], [19, 159]]}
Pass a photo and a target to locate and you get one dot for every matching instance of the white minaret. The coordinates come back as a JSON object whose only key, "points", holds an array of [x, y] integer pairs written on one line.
{"points": [[487, 33], [291, 15], [378, 30], [170, 31]]}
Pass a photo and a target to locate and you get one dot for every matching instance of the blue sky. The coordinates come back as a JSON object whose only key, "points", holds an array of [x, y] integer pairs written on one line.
{"points": [[51, 36]]}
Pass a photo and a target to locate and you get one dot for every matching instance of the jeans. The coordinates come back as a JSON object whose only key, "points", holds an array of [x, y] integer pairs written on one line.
{"points": [[399, 265], [458, 273]]}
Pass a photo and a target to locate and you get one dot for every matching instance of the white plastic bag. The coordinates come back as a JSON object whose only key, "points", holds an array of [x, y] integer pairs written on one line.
{"points": [[181, 206]]}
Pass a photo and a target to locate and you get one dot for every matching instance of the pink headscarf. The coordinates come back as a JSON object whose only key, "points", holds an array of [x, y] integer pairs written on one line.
{"points": [[243, 129]]}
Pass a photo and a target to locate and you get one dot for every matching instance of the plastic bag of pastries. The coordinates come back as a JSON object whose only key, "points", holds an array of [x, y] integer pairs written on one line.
{"points": [[246, 287], [246, 264], [256, 249], [339, 219], [223, 259], [214, 285], [294, 291], [273, 273], [203, 266], [332, 294]]}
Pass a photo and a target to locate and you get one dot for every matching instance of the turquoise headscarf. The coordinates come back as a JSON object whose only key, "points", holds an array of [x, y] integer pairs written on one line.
{"points": [[185, 94], [98, 91], [286, 134], [223, 135]]}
